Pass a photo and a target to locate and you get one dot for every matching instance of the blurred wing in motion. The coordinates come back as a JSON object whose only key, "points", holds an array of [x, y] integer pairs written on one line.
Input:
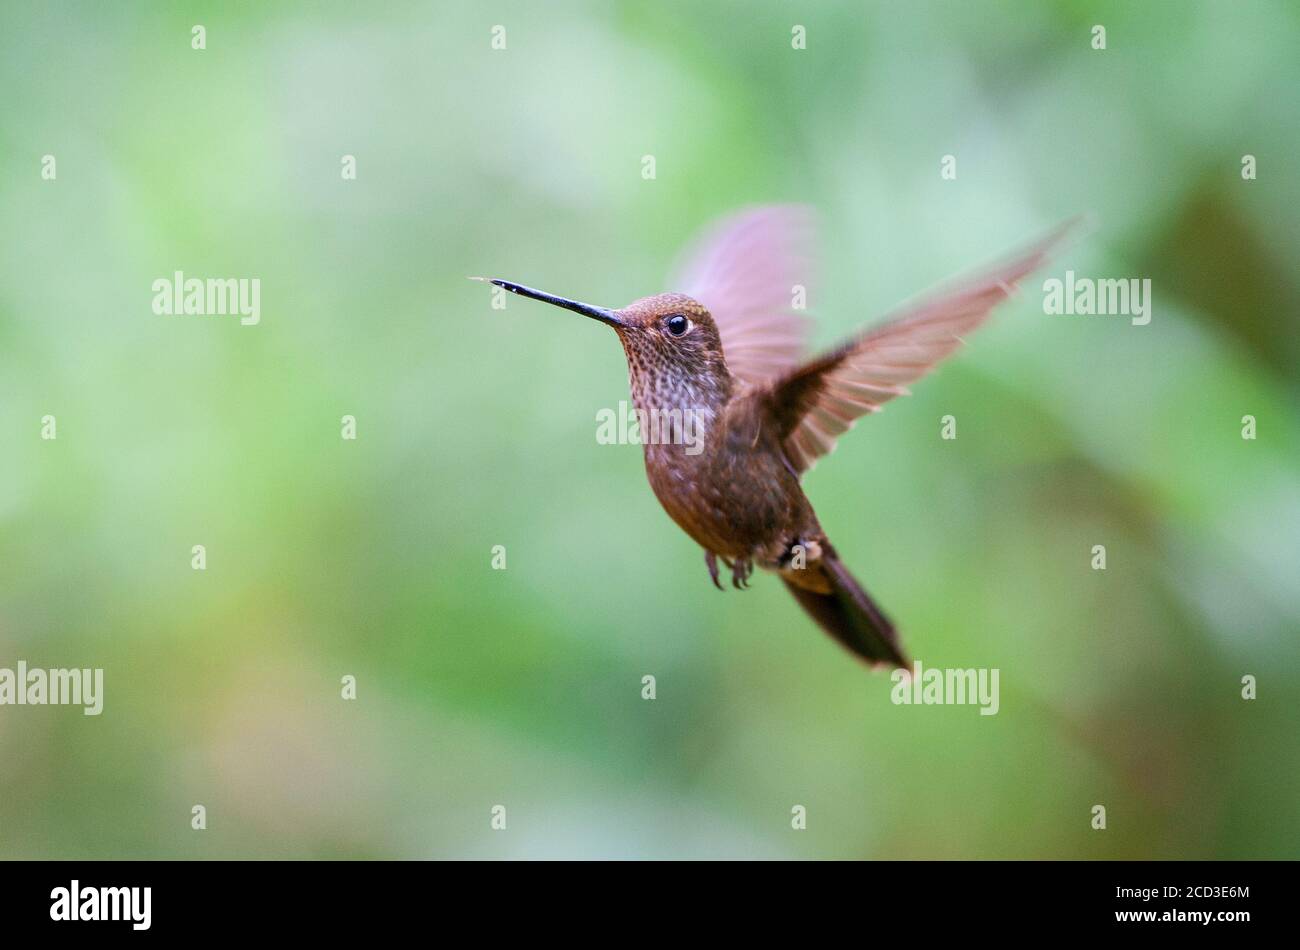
{"points": [[815, 403], [744, 270]]}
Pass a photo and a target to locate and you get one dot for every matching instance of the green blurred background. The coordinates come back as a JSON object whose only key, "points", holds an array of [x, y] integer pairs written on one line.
{"points": [[476, 427]]}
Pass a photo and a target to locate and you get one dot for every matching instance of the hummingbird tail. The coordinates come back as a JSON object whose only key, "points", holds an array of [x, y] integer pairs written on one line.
{"points": [[849, 615]]}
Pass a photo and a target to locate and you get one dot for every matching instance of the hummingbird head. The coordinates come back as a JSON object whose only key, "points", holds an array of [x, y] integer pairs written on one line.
{"points": [[674, 351], [671, 335]]}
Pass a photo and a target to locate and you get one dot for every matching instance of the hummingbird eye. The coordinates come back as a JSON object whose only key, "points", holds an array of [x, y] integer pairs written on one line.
{"points": [[677, 324]]}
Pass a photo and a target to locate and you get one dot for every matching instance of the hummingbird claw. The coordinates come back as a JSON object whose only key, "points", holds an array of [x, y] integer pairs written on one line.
{"points": [[711, 560], [740, 572]]}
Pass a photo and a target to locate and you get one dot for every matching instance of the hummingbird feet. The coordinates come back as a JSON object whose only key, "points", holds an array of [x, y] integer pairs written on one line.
{"points": [[740, 572], [711, 560]]}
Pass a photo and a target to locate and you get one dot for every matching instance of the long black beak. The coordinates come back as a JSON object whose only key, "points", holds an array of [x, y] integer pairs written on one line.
{"points": [[586, 309]]}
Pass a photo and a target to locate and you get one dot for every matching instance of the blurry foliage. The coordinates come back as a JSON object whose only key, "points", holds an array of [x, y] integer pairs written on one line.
{"points": [[476, 427]]}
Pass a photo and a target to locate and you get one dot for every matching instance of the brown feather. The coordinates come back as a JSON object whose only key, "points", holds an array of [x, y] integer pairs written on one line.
{"points": [[814, 404]]}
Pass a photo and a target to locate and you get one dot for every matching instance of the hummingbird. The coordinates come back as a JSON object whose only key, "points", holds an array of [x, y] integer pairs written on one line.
{"points": [[723, 353]]}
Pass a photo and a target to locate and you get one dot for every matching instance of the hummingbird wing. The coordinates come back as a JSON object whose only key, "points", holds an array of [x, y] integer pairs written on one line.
{"points": [[813, 404], [750, 271]]}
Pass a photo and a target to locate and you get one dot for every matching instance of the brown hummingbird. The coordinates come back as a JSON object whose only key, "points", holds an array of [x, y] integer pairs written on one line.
{"points": [[721, 358]]}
